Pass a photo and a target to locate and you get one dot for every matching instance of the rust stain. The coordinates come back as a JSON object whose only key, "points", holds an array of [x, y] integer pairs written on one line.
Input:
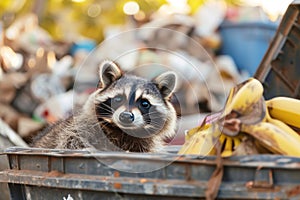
{"points": [[116, 174], [180, 158], [117, 185], [54, 173], [259, 167], [253, 187], [249, 184], [143, 180], [294, 191]]}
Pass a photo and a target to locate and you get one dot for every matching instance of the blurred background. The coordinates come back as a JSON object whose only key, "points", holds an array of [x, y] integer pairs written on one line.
{"points": [[70, 19]]}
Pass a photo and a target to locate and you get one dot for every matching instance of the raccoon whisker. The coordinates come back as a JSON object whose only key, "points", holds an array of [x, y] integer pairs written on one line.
{"points": [[139, 121], [110, 110], [103, 123], [106, 109], [151, 128], [105, 106], [149, 131], [151, 118], [153, 112], [103, 115], [94, 125], [155, 122], [154, 127]]}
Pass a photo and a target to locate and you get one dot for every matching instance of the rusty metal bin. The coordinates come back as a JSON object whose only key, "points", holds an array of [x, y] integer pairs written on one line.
{"points": [[54, 174]]}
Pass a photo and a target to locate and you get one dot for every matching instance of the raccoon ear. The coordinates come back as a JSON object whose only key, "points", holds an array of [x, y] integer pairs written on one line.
{"points": [[108, 73], [166, 83]]}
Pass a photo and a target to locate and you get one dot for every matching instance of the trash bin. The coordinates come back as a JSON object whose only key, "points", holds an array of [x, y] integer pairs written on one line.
{"points": [[54, 174], [246, 42]]}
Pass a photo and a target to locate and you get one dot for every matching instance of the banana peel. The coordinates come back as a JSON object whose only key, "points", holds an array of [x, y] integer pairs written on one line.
{"points": [[274, 139], [242, 97], [201, 140], [247, 115], [285, 109]]}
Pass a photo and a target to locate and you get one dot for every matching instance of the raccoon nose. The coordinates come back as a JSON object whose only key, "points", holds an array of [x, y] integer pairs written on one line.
{"points": [[126, 117]]}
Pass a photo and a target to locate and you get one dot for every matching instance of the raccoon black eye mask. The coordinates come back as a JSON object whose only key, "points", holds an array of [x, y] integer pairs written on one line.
{"points": [[126, 112], [134, 115]]}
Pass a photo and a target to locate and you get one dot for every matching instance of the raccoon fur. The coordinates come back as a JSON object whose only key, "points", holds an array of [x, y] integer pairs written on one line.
{"points": [[126, 113]]}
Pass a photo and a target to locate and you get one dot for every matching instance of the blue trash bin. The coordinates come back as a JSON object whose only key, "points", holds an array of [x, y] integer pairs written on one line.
{"points": [[246, 42]]}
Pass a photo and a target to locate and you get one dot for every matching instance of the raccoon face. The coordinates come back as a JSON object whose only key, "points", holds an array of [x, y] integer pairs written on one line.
{"points": [[137, 106]]}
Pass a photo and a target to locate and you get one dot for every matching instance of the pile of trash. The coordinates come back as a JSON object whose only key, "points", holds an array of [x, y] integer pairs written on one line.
{"points": [[42, 79], [34, 68]]}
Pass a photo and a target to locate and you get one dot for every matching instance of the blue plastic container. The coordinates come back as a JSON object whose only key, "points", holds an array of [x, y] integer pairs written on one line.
{"points": [[84, 45], [246, 42]]}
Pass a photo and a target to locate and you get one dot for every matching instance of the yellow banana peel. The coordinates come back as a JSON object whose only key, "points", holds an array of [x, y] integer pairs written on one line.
{"points": [[242, 98], [195, 130], [201, 140], [283, 126], [274, 138], [285, 109]]}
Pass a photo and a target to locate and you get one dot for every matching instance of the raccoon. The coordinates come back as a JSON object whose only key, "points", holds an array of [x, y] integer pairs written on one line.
{"points": [[126, 113]]}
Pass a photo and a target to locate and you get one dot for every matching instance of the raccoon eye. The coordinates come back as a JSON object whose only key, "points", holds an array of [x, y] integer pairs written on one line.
{"points": [[118, 99], [145, 103]]}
